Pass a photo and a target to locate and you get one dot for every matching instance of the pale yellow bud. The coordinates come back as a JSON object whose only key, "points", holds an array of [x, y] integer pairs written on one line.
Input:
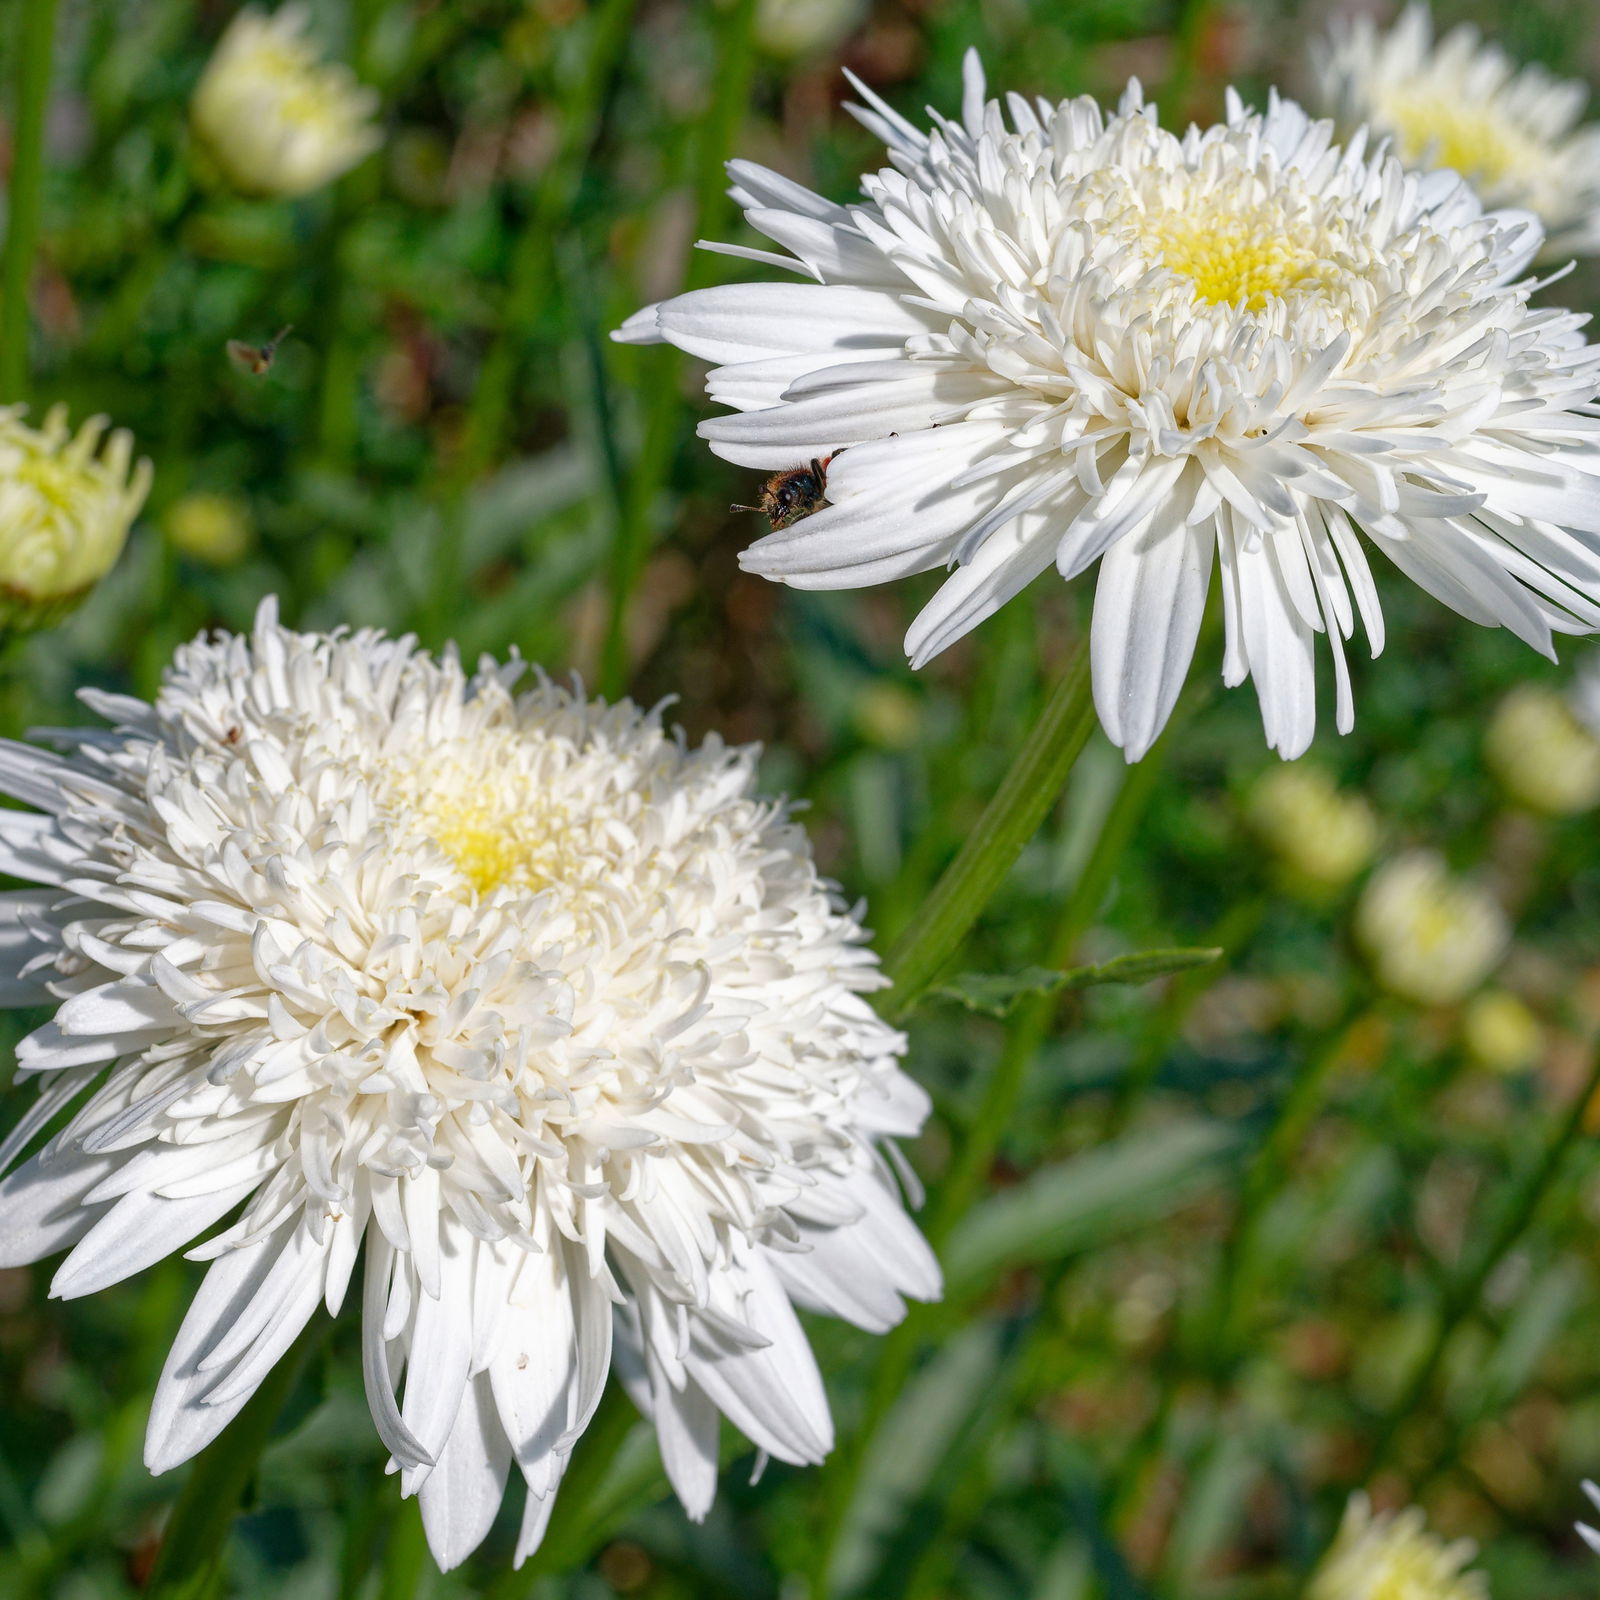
{"points": [[1429, 938], [213, 528], [65, 509], [888, 715], [1393, 1556], [1500, 1033], [1316, 832], [795, 28], [1542, 754], [276, 119]]}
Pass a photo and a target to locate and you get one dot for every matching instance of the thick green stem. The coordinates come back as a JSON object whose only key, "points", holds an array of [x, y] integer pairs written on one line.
{"points": [[1009, 821], [37, 24], [190, 1565], [1466, 1292]]}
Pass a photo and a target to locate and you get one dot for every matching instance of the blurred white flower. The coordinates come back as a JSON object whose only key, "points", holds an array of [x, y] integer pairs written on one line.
{"points": [[65, 509], [277, 119], [1393, 1556], [795, 28], [543, 1010], [1430, 938], [1315, 831], [1065, 339], [1542, 755], [1462, 104]]}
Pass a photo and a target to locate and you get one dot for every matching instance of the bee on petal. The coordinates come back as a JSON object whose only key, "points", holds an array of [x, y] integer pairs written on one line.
{"points": [[790, 496]]}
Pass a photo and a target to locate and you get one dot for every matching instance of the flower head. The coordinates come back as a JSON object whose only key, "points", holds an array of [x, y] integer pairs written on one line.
{"points": [[65, 509], [1393, 1556], [1542, 754], [1320, 835], [544, 1012], [277, 119], [1430, 939], [1460, 103], [1048, 336]]}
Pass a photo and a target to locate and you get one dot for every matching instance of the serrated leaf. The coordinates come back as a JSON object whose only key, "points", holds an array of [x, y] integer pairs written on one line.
{"points": [[996, 993]]}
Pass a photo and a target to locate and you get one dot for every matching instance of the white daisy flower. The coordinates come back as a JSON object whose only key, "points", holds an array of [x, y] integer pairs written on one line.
{"points": [[1462, 103], [543, 1008], [1067, 338], [276, 118]]}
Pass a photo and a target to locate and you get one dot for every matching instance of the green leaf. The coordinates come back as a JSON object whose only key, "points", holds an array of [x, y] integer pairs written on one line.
{"points": [[997, 993], [1087, 1200]]}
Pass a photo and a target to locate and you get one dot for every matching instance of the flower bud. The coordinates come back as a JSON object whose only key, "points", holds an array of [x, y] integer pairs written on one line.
{"points": [[790, 29], [1500, 1033], [1542, 755], [1429, 938], [276, 120], [1393, 1554], [65, 510], [1317, 834], [213, 528]]}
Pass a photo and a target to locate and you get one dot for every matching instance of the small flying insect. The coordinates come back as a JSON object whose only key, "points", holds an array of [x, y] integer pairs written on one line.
{"points": [[256, 359], [788, 497]]}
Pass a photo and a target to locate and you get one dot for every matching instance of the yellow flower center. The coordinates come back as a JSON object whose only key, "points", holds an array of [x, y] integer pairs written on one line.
{"points": [[1229, 263], [480, 800], [1240, 238], [1480, 145]]}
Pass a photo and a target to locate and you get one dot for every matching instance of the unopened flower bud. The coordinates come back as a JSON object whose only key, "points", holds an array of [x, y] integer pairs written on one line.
{"points": [[213, 528], [1542, 755], [1429, 938], [276, 119], [1376, 1556], [1500, 1033], [65, 509], [791, 29], [1316, 833]]}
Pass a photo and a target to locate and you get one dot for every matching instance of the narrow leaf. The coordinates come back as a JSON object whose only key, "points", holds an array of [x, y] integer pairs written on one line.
{"points": [[1086, 1201]]}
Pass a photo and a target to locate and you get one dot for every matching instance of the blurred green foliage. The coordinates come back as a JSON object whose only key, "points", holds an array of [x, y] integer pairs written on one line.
{"points": [[1115, 1400]]}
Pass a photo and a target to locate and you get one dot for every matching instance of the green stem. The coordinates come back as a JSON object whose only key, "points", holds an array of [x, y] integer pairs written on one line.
{"points": [[1012, 817], [190, 1564], [1466, 1293], [34, 58], [734, 69]]}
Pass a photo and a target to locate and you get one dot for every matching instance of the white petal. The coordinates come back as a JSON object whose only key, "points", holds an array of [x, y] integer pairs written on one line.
{"points": [[773, 1395], [137, 1232], [41, 1204], [1148, 604], [182, 1422], [462, 1494], [753, 321]]}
